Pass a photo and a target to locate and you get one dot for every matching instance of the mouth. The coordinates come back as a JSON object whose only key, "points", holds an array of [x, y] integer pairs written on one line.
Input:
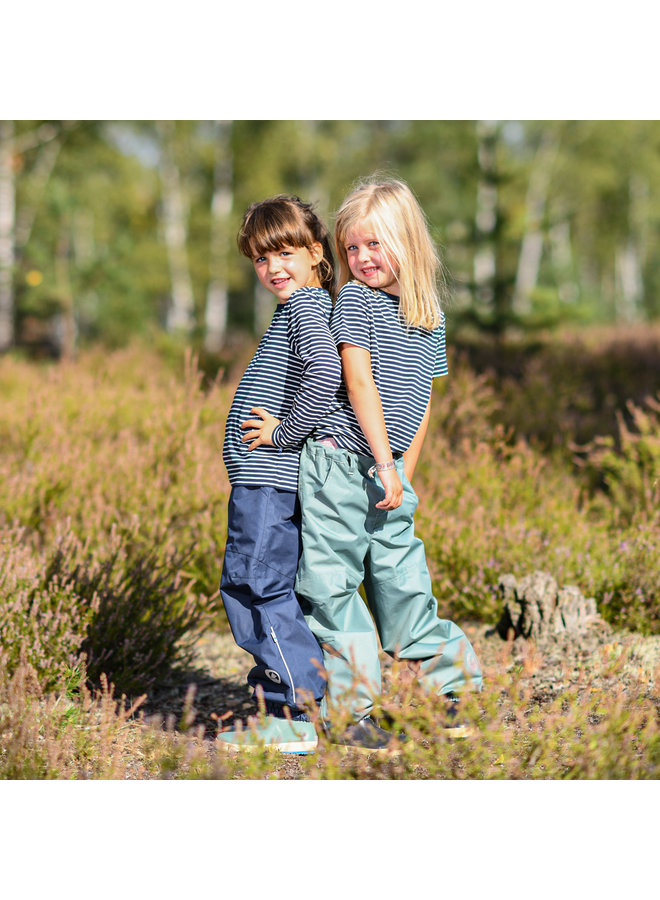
{"points": [[369, 270], [280, 282]]}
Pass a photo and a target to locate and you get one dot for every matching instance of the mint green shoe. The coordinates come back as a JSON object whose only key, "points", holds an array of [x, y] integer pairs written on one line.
{"points": [[271, 733]]}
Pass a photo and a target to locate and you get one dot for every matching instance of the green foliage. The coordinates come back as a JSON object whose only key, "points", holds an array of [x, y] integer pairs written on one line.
{"points": [[91, 230]]}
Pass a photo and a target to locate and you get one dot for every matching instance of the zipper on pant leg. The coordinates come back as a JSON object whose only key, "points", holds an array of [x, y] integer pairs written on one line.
{"points": [[277, 644]]}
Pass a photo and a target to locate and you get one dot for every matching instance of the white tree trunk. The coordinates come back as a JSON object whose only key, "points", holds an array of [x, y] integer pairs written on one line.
{"points": [[630, 256], [531, 247], [217, 296], [39, 175], [15, 227], [485, 258], [7, 233], [180, 316], [629, 281], [561, 252]]}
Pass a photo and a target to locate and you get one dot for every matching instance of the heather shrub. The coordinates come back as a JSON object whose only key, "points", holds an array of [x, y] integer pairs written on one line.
{"points": [[142, 617], [127, 611], [42, 622], [112, 524], [593, 730], [558, 388], [490, 507], [629, 468], [491, 502], [116, 441]]}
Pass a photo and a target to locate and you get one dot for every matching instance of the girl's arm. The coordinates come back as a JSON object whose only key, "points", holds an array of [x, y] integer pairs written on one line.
{"points": [[411, 455], [309, 338], [365, 400]]}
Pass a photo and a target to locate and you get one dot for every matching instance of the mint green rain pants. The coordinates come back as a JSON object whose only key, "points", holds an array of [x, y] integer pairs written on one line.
{"points": [[348, 542]]}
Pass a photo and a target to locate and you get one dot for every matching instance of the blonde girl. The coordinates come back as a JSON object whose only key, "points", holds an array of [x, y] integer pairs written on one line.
{"points": [[355, 472]]}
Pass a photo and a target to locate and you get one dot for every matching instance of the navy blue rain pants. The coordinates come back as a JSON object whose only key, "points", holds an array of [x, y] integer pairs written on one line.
{"points": [[261, 560]]}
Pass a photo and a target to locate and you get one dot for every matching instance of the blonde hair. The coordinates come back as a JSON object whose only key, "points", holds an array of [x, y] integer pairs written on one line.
{"points": [[391, 209]]}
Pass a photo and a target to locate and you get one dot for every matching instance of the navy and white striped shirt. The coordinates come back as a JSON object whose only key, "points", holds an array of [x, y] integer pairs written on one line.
{"points": [[404, 362], [294, 374]]}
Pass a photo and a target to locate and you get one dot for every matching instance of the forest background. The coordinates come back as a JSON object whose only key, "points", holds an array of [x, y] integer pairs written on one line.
{"points": [[111, 230]]}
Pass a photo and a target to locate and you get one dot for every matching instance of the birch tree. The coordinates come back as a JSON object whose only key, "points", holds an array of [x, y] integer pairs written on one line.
{"points": [[15, 227], [7, 228], [631, 253], [217, 295], [485, 254], [180, 315], [531, 245]]}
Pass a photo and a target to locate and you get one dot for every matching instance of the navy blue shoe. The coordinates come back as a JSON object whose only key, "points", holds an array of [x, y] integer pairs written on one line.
{"points": [[365, 736]]}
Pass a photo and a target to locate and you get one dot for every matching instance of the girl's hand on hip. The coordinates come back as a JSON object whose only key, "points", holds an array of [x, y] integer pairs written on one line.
{"points": [[261, 429], [393, 489]]}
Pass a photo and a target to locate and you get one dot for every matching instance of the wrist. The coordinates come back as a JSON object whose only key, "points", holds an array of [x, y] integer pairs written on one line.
{"points": [[380, 467]]}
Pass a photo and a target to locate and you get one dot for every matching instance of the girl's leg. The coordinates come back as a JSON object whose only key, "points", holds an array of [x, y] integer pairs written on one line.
{"points": [[334, 510], [261, 557], [398, 587]]}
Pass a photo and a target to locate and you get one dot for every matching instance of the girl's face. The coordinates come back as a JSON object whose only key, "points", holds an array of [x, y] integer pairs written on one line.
{"points": [[285, 270], [369, 263]]}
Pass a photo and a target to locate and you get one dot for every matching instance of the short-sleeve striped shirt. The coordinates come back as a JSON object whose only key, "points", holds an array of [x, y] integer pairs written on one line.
{"points": [[404, 362], [294, 374]]}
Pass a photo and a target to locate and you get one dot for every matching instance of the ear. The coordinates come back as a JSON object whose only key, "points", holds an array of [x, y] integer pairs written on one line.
{"points": [[317, 253]]}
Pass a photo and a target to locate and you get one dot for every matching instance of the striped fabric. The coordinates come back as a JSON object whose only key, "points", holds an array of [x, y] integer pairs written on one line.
{"points": [[294, 374], [403, 362]]}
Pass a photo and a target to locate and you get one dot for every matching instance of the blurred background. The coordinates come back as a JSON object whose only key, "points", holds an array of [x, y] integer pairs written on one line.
{"points": [[117, 230]]}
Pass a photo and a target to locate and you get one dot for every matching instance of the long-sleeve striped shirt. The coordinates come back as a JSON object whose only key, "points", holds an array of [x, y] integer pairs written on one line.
{"points": [[294, 374], [404, 362]]}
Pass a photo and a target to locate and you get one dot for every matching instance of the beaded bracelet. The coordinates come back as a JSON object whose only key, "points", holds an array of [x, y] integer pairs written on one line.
{"points": [[380, 467]]}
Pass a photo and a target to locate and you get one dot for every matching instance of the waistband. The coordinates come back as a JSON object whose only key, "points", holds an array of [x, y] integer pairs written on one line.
{"points": [[348, 458]]}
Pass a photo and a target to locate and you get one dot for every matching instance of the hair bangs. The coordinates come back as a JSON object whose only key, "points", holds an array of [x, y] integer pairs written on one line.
{"points": [[269, 228]]}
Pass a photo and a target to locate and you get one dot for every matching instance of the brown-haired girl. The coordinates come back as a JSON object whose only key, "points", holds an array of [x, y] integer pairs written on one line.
{"points": [[293, 378]]}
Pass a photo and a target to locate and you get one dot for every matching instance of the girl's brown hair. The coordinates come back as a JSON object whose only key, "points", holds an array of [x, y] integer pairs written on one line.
{"points": [[285, 221], [391, 209]]}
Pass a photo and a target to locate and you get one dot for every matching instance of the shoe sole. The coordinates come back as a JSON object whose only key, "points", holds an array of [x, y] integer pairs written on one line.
{"points": [[383, 751], [459, 732], [291, 748]]}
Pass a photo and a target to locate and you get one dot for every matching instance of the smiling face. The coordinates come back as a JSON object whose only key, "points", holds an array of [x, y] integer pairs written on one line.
{"points": [[369, 262], [285, 270]]}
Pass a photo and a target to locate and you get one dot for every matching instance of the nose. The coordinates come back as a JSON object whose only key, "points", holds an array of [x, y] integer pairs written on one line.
{"points": [[273, 262], [363, 253]]}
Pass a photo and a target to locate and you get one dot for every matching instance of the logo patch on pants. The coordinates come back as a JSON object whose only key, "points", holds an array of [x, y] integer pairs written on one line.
{"points": [[273, 675]]}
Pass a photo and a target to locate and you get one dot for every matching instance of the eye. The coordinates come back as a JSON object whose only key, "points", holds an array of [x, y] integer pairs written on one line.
{"points": [[259, 259], [351, 247]]}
